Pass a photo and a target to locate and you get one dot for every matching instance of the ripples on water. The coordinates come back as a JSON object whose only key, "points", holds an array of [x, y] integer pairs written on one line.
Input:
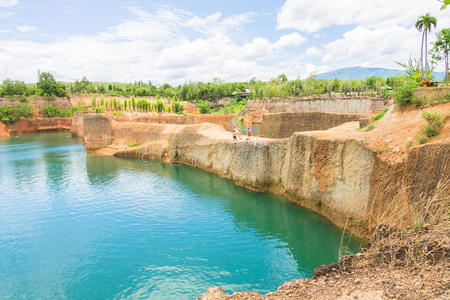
{"points": [[79, 226]]}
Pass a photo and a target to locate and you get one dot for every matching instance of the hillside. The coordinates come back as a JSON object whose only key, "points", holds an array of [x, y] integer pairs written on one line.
{"points": [[362, 73]]}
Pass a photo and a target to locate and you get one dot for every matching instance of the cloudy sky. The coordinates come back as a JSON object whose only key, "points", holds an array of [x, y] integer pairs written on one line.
{"points": [[179, 41]]}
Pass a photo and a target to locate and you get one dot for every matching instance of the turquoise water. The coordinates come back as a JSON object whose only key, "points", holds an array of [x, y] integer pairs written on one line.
{"points": [[78, 226]]}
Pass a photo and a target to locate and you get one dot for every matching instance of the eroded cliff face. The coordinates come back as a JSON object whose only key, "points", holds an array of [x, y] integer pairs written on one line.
{"points": [[3, 130], [334, 172], [40, 124]]}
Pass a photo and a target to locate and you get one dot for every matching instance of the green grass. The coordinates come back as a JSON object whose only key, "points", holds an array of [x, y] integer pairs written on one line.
{"points": [[118, 113], [380, 115]]}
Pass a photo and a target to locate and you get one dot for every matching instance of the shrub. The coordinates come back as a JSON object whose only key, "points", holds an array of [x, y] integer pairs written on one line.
{"points": [[203, 107], [49, 111], [159, 106], [133, 144], [11, 114], [434, 124], [421, 139], [118, 113], [404, 94], [93, 102], [101, 110], [177, 107]]}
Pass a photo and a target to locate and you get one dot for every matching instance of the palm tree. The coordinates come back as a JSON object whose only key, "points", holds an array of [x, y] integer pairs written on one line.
{"points": [[425, 24]]}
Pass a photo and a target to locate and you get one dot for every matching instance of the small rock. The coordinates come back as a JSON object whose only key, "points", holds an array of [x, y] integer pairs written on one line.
{"points": [[357, 281], [396, 150], [410, 139], [387, 141]]}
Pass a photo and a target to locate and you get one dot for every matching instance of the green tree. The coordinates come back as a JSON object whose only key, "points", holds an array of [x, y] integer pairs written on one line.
{"points": [[441, 49], [445, 4], [48, 85], [13, 88], [425, 24]]}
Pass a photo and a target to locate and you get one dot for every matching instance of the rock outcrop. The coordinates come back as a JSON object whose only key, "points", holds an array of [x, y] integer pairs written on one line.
{"points": [[339, 172], [3, 130], [283, 125]]}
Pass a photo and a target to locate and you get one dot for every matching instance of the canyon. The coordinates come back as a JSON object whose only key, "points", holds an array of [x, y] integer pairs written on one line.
{"points": [[355, 178], [313, 153]]}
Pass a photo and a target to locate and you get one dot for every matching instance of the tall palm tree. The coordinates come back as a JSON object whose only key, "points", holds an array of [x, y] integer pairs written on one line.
{"points": [[424, 24]]}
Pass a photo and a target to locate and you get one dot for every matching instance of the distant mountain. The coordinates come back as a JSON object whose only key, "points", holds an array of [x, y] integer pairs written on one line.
{"points": [[363, 73]]}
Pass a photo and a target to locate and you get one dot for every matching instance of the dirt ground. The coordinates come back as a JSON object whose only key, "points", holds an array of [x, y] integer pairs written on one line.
{"points": [[412, 263]]}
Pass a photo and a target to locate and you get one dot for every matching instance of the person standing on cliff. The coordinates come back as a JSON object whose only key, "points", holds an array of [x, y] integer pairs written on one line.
{"points": [[236, 134], [249, 133]]}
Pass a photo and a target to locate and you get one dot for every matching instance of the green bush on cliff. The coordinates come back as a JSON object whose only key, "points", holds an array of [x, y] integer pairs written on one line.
{"points": [[13, 88], [11, 114], [403, 95], [434, 124], [50, 111], [203, 107]]}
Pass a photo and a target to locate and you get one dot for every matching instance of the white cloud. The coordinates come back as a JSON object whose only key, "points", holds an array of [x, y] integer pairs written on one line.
{"points": [[8, 3], [151, 46], [311, 16], [373, 47], [382, 31], [313, 51], [289, 40], [25, 28], [216, 24]]}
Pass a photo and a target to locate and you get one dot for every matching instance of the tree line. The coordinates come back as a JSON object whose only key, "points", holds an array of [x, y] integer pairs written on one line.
{"points": [[280, 86]]}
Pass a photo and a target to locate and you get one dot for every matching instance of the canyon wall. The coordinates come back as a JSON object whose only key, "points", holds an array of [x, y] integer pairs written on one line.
{"points": [[40, 124], [283, 125], [323, 103], [334, 172], [226, 121]]}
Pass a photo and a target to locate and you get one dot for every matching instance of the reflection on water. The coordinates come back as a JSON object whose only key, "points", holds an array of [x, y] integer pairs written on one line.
{"points": [[79, 226]]}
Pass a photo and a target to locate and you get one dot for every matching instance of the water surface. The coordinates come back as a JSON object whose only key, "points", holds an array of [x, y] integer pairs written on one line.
{"points": [[78, 226]]}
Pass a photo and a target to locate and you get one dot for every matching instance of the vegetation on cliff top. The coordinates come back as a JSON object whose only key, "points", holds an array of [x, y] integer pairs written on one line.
{"points": [[11, 114]]}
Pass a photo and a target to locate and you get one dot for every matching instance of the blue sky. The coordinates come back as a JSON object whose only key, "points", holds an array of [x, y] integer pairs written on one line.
{"points": [[179, 41]]}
